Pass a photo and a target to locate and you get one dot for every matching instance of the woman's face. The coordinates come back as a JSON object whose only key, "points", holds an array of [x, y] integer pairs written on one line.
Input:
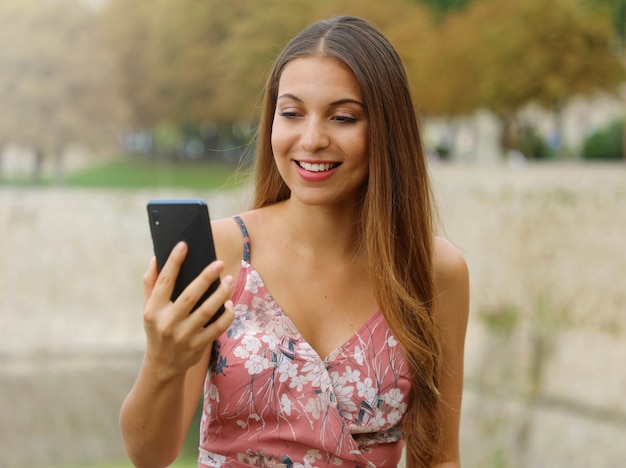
{"points": [[319, 132]]}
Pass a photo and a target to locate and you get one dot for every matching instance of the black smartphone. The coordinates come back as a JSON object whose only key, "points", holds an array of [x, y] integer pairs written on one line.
{"points": [[172, 221]]}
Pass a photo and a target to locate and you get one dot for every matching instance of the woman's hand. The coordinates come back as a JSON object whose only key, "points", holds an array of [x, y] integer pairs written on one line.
{"points": [[156, 414], [176, 338]]}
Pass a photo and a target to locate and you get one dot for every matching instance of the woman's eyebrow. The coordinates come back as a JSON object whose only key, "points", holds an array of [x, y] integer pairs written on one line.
{"points": [[334, 103], [347, 101], [289, 96]]}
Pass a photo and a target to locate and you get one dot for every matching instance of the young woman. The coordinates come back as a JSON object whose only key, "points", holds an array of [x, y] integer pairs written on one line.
{"points": [[345, 317]]}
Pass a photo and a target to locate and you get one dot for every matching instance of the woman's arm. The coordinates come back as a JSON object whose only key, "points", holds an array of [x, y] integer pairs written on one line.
{"points": [[157, 412], [451, 314]]}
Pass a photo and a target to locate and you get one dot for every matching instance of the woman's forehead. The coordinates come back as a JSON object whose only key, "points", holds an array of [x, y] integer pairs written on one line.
{"points": [[319, 74]]}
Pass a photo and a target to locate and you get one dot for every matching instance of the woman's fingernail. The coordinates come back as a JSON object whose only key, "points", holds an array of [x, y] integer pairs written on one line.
{"points": [[228, 280]]}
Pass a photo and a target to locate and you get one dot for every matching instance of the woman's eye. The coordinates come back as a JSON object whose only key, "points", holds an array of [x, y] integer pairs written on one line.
{"points": [[289, 114], [345, 118]]}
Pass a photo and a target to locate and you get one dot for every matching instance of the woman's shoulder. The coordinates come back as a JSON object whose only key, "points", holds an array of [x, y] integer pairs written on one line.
{"points": [[449, 265], [451, 280], [229, 238], [229, 243]]}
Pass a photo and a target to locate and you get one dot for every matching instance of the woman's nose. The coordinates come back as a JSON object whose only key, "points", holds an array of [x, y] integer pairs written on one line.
{"points": [[314, 136]]}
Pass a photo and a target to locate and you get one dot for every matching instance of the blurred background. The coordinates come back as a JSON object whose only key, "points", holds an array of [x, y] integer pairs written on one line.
{"points": [[105, 104]]}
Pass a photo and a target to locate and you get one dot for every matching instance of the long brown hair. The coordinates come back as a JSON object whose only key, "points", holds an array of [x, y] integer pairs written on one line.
{"points": [[397, 216]]}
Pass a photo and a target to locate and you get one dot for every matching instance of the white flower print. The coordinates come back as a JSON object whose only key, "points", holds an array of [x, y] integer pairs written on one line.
{"points": [[341, 380], [316, 406], [378, 421], [256, 364], [393, 397], [271, 319], [298, 382], [344, 394], [306, 464], [251, 344], [314, 369], [307, 353], [285, 404], [365, 389], [272, 341], [241, 352], [253, 282], [346, 404], [214, 393], [239, 324], [287, 370], [359, 355], [211, 459], [309, 459], [394, 417], [312, 456], [318, 378], [252, 416], [265, 308], [281, 326], [391, 341], [351, 375]]}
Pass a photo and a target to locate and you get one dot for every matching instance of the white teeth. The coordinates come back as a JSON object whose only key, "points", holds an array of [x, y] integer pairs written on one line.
{"points": [[316, 167]]}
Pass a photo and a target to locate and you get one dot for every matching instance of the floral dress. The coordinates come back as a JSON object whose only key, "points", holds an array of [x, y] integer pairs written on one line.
{"points": [[271, 401]]}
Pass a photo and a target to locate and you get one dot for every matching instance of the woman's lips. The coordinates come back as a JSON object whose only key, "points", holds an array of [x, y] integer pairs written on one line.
{"points": [[316, 167], [316, 172]]}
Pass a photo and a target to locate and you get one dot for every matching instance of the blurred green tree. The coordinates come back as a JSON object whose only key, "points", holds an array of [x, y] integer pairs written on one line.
{"points": [[617, 11], [202, 64], [534, 53], [447, 75], [198, 65], [503, 55], [130, 31], [441, 8], [57, 80], [606, 143]]}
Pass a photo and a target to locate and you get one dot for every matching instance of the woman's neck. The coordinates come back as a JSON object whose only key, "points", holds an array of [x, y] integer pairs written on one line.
{"points": [[328, 233]]}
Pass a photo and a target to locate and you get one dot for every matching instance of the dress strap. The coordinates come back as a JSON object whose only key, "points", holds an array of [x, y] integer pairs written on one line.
{"points": [[246, 238]]}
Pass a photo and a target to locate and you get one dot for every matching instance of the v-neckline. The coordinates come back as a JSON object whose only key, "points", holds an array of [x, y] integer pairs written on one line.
{"points": [[247, 267]]}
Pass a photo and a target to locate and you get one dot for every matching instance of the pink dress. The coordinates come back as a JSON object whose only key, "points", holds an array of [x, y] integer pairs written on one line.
{"points": [[271, 401]]}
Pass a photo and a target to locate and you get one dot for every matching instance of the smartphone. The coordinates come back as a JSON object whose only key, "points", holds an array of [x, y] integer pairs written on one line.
{"points": [[172, 221]]}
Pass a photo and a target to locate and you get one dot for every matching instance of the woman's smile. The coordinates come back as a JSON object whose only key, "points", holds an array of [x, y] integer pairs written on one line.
{"points": [[316, 167], [315, 172]]}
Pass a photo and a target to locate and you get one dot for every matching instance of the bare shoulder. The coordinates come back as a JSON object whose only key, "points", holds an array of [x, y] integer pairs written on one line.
{"points": [[450, 268], [451, 277], [228, 236], [228, 241]]}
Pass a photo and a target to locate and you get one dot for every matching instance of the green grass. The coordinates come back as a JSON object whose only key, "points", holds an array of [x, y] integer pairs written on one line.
{"points": [[129, 173]]}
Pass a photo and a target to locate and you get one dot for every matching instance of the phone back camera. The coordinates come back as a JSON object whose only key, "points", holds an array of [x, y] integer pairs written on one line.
{"points": [[155, 218]]}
